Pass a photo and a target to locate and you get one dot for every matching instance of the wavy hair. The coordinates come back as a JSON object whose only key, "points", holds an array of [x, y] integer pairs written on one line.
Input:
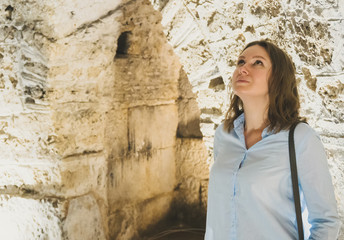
{"points": [[284, 103]]}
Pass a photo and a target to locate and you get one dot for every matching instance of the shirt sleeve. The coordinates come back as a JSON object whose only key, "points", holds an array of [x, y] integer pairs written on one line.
{"points": [[316, 184]]}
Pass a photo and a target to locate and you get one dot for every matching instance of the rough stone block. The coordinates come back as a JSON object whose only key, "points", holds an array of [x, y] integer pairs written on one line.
{"points": [[152, 127], [84, 220], [151, 211], [23, 218], [141, 176], [30, 179], [141, 81], [192, 167], [79, 128], [84, 173], [27, 138], [188, 119], [131, 221]]}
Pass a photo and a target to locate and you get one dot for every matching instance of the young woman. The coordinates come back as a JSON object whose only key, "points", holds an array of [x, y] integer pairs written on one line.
{"points": [[250, 191]]}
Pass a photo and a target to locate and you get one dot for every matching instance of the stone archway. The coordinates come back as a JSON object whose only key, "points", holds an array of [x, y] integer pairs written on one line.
{"points": [[90, 120], [98, 117], [208, 35], [160, 122]]}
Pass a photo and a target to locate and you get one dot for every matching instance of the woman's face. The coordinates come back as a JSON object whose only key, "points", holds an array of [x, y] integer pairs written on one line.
{"points": [[250, 78]]}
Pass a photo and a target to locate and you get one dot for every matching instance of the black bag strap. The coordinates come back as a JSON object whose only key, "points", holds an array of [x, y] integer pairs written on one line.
{"points": [[294, 180]]}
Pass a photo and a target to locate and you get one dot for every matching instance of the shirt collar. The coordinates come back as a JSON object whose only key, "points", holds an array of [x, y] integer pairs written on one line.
{"points": [[239, 124]]}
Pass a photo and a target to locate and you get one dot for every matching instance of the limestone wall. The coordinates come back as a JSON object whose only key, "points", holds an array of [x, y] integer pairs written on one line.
{"points": [[208, 36], [88, 119], [106, 128], [53, 157]]}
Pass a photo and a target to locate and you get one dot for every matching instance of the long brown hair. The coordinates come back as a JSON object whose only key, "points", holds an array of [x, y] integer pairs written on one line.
{"points": [[284, 101]]}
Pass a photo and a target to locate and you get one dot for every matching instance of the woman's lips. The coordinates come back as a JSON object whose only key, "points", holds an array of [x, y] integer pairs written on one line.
{"points": [[242, 81]]}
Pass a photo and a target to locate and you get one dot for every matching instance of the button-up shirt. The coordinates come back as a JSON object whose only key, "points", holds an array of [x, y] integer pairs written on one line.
{"points": [[250, 192]]}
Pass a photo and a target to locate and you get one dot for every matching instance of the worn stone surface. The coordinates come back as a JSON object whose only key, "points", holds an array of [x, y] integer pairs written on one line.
{"points": [[192, 175], [89, 113], [100, 118], [209, 35], [90, 225], [141, 125], [52, 114], [188, 110], [23, 218], [150, 156]]}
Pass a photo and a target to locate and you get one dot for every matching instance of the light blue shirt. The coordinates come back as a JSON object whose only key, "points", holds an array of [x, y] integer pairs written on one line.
{"points": [[250, 192]]}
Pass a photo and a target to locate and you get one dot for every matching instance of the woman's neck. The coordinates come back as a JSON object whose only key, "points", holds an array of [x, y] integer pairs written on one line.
{"points": [[256, 115], [256, 119]]}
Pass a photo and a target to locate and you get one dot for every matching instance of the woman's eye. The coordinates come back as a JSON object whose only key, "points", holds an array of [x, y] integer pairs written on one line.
{"points": [[240, 62], [258, 62]]}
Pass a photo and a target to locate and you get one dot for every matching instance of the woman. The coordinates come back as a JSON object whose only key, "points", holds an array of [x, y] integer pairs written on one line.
{"points": [[250, 191]]}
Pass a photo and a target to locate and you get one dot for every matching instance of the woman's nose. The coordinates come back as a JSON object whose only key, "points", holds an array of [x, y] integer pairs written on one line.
{"points": [[243, 70]]}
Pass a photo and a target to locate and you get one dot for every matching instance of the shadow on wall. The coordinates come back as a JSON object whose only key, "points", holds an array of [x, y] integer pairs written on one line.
{"points": [[186, 219], [157, 168]]}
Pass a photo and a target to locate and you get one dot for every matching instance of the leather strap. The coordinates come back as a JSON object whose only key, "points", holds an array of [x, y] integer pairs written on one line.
{"points": [[294, 180]]}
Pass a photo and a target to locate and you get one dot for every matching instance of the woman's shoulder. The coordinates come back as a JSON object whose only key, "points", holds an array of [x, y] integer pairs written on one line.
{"points": [[304, 132], [220, 129], [221, 132]]}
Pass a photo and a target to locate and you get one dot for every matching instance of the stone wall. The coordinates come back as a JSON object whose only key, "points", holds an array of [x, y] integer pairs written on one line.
{"points": [[55, 63], [88, 128], [142, 142], [103, 133], [209, 35], [92, 103]]}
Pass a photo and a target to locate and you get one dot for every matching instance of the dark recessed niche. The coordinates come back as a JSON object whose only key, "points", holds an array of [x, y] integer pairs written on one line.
{"points": [[217, 84], [9, 9], [123, 44]]}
